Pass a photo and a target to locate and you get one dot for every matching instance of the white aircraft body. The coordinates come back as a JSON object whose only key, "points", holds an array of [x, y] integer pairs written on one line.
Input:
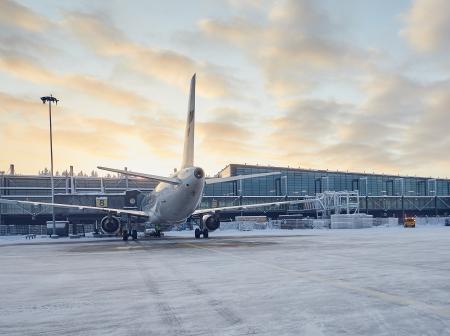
{"points": [[175, 198]]}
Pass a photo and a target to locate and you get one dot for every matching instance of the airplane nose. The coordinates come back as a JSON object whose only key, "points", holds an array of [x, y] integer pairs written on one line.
{"points": [[199, 173]]}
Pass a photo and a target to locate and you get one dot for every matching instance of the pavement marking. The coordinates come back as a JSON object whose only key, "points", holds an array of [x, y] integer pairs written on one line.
{"points": [[338, 283], [70, 254]]}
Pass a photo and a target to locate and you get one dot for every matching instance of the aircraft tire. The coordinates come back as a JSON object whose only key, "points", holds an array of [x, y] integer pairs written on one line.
{"points": [[205, 233], [197, 233]]}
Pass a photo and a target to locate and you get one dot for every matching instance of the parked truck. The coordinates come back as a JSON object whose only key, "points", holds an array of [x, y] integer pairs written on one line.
{"points": [[409, 222]]}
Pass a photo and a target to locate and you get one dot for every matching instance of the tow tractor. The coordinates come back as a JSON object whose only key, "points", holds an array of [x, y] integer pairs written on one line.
{"points": [[409, 222]]}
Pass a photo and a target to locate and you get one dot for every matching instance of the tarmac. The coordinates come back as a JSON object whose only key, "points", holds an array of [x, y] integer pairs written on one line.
{"points": [[383, 281]]}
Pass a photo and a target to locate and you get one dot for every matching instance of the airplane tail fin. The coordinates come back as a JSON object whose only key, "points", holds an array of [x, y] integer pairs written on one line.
{"points": [[188, 152]]}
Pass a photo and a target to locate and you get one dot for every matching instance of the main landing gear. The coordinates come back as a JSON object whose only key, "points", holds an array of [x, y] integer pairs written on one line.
{"points": [[126, 234], [199, 232]]}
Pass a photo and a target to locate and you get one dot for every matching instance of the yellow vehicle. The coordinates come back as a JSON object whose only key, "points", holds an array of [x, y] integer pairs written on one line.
{"points": [[409, 222]]}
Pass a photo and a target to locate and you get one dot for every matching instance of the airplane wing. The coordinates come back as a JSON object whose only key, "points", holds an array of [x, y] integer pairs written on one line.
{"points": [[79, 207], [250, 206], [236, 178], [171, 180]]}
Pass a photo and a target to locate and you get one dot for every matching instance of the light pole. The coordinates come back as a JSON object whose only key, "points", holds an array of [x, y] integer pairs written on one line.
{"points": [[50, 99]]}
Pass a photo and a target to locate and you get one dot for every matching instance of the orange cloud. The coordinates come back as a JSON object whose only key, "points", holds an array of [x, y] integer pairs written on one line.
{"points": [[10, 104], [400, 127], [428, 25], [167, 66], [14, 14], [294, 49], [82, 138], [91, 86]]}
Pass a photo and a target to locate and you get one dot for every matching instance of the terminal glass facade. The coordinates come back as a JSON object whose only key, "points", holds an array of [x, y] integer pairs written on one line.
{"points": [[301, 182]]}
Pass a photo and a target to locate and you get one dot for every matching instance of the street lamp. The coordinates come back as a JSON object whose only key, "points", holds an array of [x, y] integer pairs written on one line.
{"points": [[50, 99]]}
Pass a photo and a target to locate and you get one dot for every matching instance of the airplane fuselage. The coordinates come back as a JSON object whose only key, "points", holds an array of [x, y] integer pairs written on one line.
{"points": [[175, 203]]}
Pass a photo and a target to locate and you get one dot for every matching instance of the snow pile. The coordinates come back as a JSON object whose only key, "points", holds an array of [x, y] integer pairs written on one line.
{"points": [[389, 221], [243, 225], [229, 226], [431, 220], [321, 223], [351, 221]]}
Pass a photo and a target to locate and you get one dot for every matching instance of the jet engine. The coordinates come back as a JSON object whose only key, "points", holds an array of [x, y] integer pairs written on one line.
{"points": [[110, 224], [211, 221]]}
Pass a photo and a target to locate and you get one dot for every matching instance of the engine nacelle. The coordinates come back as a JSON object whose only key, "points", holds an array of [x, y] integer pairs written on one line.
{"points": [[110, 224], [211, 221]]}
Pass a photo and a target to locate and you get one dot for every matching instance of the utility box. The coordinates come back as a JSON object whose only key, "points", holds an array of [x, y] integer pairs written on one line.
{"points": [[62, 228]]}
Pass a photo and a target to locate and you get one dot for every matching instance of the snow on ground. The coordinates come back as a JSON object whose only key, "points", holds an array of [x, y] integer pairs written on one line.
{"points": [[228, 233], [379, 281]]}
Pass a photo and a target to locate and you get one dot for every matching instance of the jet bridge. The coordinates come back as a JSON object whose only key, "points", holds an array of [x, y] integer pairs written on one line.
{"points": [[323, 204], [336, 202]]}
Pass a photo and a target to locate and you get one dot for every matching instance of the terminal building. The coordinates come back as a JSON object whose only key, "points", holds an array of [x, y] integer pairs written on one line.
{"points": [[378, 194]]}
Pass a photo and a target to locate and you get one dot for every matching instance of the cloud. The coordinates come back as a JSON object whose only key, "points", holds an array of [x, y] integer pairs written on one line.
{"points": [[428, 25], [162, 135], [296, 47], [428, 137], [30, 71], [303, 16], [248, 4], [165, 65], [228, 136], [400, 127], [11, 104], [299, 49], [80, 138], [230, 115], [14, 14], [80, 144], [302, 54], [307, 127]]}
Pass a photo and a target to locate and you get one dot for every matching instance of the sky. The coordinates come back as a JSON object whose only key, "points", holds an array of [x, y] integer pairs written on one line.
{"points": [[345, 85]]}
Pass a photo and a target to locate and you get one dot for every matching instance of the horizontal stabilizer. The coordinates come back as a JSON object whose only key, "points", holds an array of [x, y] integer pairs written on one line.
{"points": [[79, 207], [236, 178], [171, 180]]}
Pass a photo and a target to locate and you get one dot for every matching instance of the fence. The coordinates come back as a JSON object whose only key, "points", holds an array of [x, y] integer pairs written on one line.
{"points": [[354, 221], [386, 221], [10, 230], [432, 220]]}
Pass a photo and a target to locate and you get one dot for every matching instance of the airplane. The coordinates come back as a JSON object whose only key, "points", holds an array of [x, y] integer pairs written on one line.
{"points": [[176, 198]]}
